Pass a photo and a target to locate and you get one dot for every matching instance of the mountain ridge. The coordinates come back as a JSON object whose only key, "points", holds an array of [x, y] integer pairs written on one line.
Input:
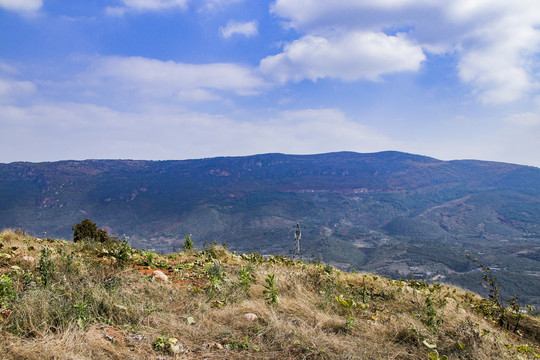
{"points": [[373, 211]]}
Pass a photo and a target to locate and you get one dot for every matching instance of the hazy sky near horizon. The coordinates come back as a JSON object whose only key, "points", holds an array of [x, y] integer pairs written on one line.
{"points": [[179, 79]]}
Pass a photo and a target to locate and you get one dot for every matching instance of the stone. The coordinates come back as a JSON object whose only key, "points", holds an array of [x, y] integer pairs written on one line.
{"points": [[250, 317], [156, 274]]}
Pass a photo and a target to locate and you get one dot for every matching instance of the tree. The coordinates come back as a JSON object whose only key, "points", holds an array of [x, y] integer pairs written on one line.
{"points": [[188, 245], [88, 229]]}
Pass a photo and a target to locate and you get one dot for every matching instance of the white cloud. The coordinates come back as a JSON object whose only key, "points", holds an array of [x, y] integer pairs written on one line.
{"points": [[527, 119], [22, 6], [145, 5], [247, 29], [11, 90], [150, 78], [311, 131], [349, 57], [214, 5], [497, 42], [91, 131]]}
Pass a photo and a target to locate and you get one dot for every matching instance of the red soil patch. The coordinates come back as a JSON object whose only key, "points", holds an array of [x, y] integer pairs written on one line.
{"points": [[183, 278]]}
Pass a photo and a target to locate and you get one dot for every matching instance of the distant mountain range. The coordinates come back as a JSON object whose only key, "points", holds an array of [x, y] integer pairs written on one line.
{"points": [[394, 213]]}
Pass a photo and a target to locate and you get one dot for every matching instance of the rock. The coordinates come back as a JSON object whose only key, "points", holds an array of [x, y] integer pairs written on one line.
{"points": [[156, 274], [219, 346], [174, 348], [250, 317]]}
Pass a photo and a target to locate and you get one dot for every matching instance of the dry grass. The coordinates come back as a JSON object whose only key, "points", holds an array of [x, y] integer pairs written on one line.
{"points": [[92, 308]]}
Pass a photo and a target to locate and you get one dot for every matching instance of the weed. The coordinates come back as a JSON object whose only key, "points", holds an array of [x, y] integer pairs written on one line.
{"points": [[121, 252], [240, 345], [216, 274], [253, 258], [271, 292], [149, 258], [166, 344], [349, 322], [494, 306], [434, 355], [246, 278], [431, 319], [7, 289], [46, 266]]}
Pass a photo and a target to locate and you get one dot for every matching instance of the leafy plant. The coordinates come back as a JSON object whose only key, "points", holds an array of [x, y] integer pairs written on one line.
{"points": [[246, 277], [216, 274], [7, 289], [349, 305], [431, 319], [149, 257], [434, 355], [122, 252], [46, 266], [271, 292], [349, 322], [346, 303], [239, 345], [81, 312], [166, 344]]}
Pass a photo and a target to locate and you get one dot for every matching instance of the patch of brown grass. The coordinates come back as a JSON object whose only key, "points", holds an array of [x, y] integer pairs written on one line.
{"points": [[94, 309]]}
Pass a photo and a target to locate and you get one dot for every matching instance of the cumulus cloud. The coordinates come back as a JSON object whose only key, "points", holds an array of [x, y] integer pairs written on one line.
{"points": [[247, 29], [170, 80], [144, 6], [22, 6], [496, 41], [349, 57]]}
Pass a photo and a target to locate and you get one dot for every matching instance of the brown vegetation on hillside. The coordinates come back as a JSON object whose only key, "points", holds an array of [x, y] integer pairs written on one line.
{"points": [[90, 300]]}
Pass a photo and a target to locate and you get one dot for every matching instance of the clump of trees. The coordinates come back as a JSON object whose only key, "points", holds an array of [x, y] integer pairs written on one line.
{"points": [[88, 230]]}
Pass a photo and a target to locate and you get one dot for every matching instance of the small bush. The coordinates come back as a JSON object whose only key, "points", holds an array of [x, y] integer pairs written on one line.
{"points": [[188, 244], [7, 289], [122, 252], [46, 266]]}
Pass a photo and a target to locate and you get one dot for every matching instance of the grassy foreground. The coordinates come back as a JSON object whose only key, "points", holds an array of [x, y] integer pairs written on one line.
{"points": [[87, 300]]}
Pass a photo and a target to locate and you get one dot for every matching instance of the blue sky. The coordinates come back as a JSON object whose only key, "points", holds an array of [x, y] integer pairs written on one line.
{"points": [[179, 79]]}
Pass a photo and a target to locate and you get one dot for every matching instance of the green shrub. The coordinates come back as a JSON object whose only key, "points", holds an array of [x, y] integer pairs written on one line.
{"points": [[122, 252], [150, 256], [216, 274], [188, 244], [7, 289], [46, 266], [88, 230]]}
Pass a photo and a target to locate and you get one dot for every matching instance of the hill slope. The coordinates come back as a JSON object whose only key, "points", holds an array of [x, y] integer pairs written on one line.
{"points": [[66, 300], [392, 213]]}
